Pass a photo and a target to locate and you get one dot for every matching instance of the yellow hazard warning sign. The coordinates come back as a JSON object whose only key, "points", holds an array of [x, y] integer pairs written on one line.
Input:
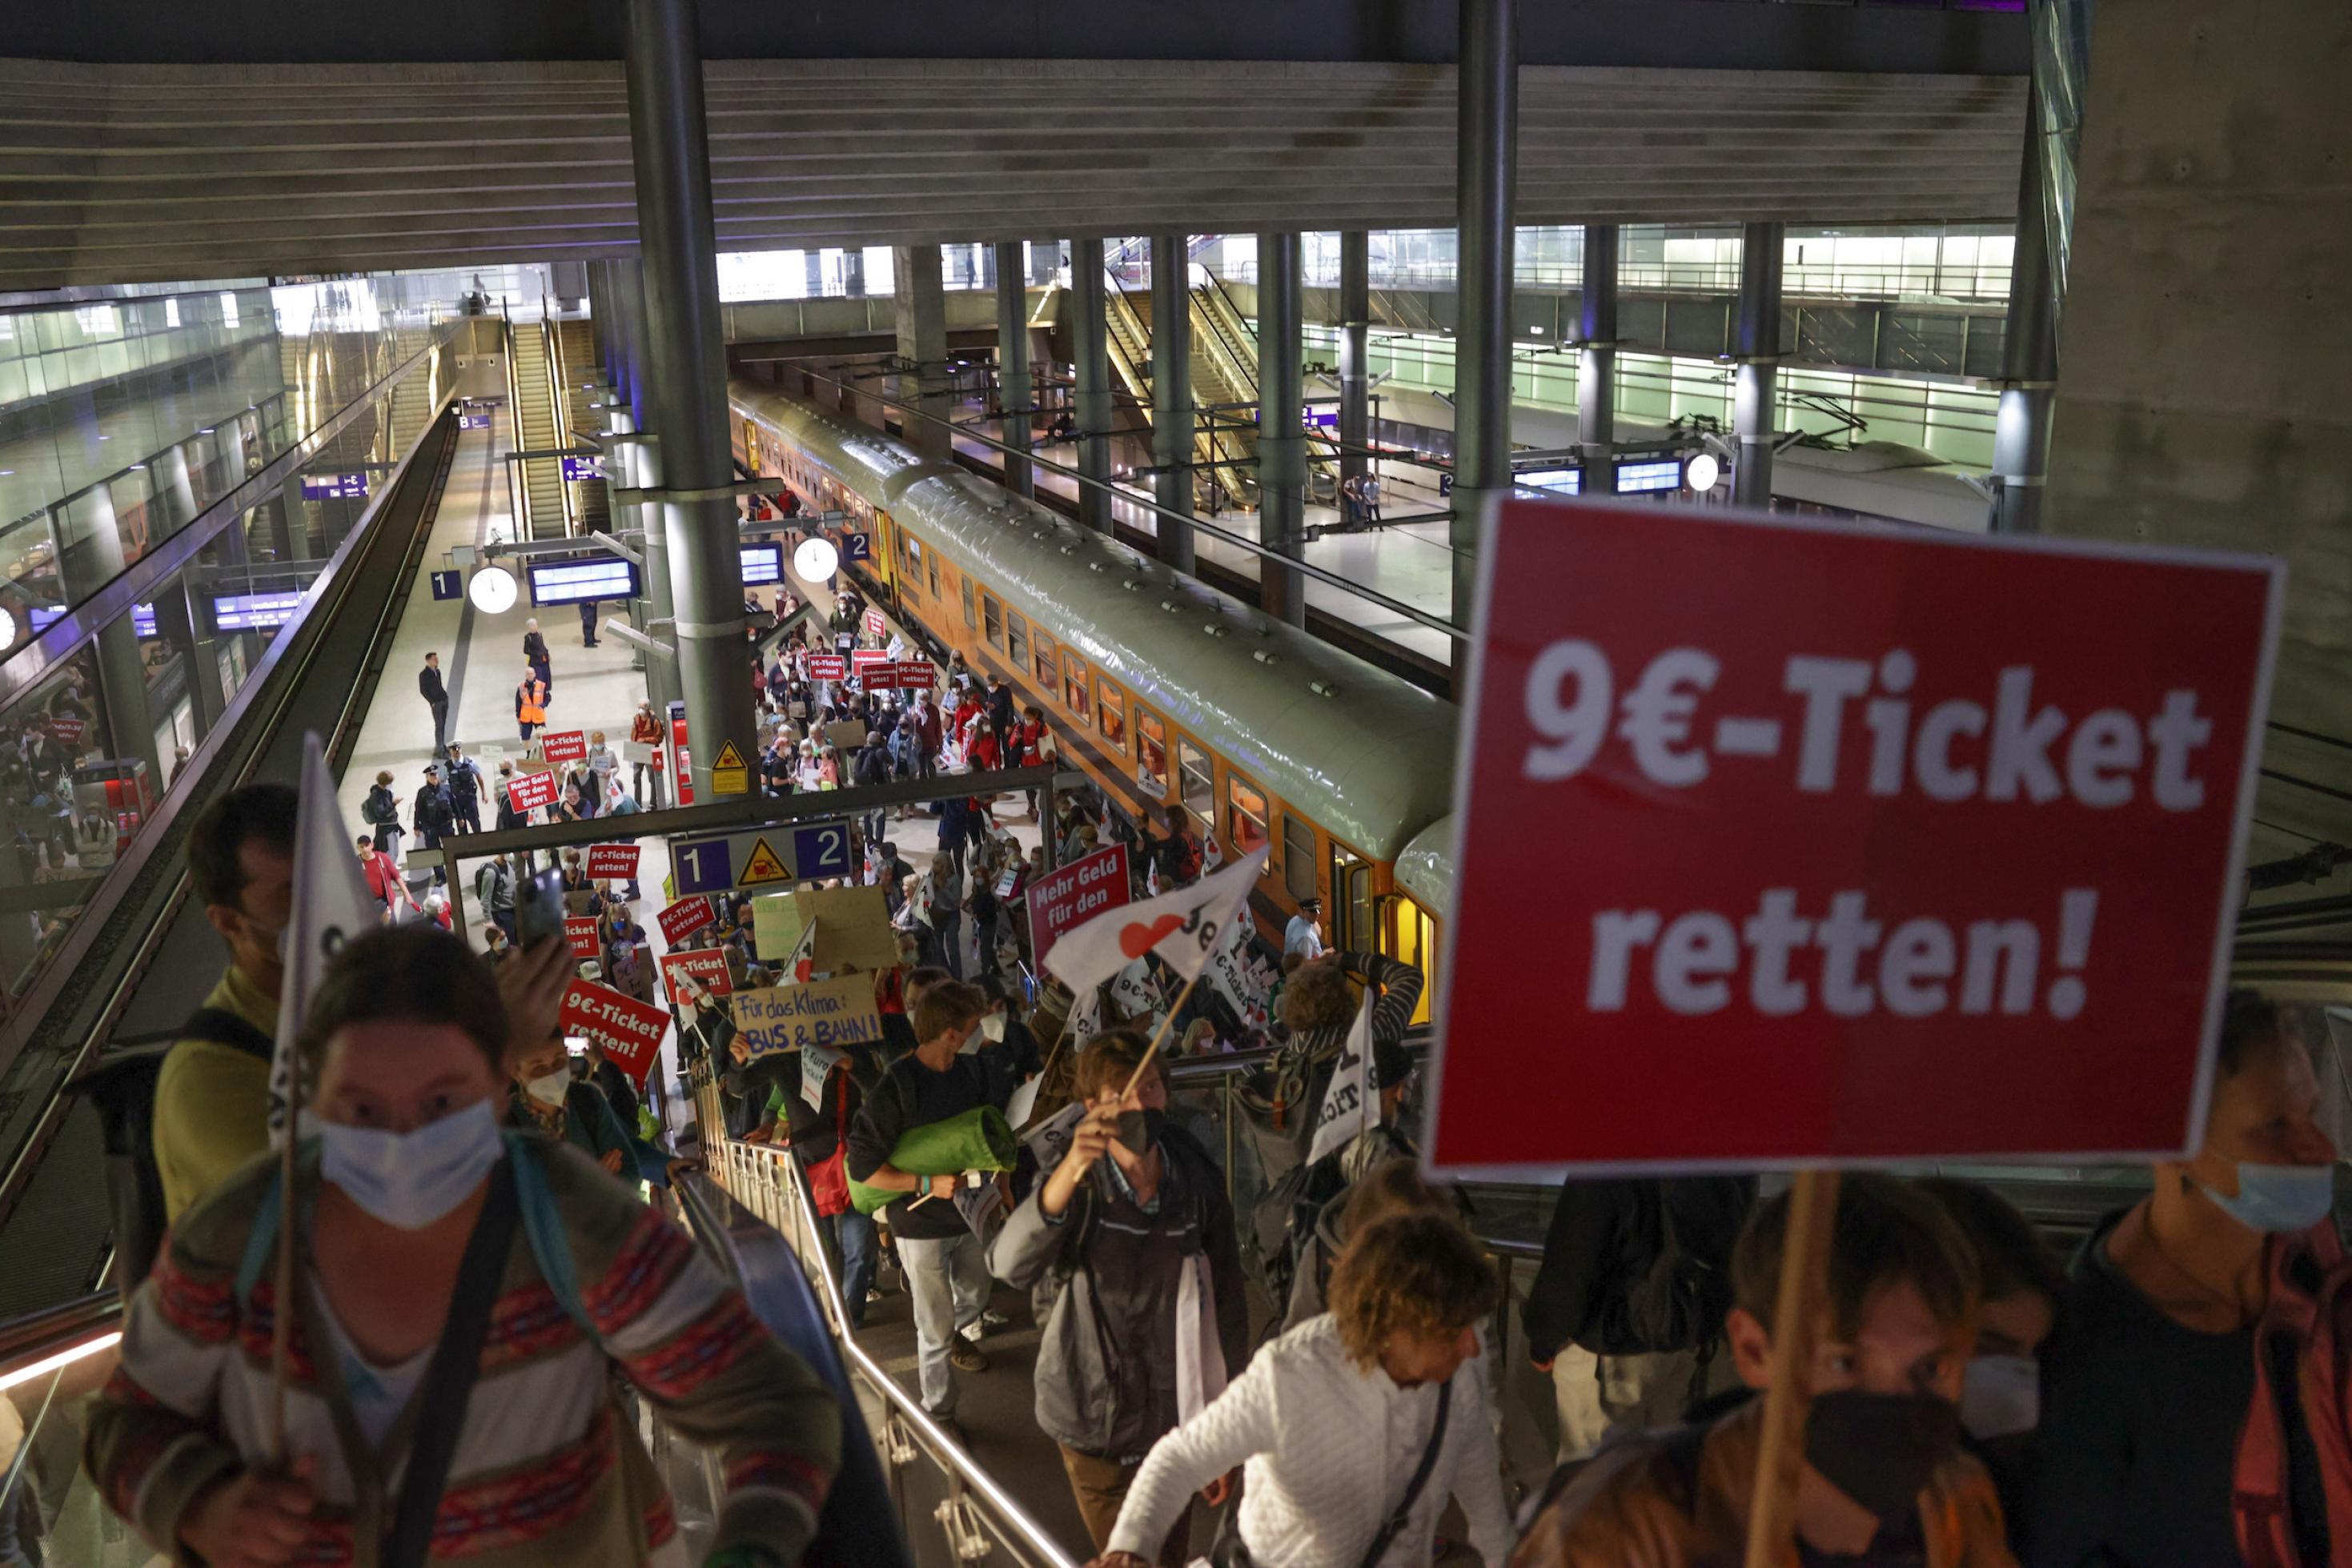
{"points": [[729, 773], [762, 865]]}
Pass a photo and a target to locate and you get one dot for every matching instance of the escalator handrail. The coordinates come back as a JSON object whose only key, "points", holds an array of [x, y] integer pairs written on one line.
{"points": [[36, 1336]]}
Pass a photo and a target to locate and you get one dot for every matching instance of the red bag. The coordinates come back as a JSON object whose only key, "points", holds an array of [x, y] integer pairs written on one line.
{"points": [[829, 1178]]}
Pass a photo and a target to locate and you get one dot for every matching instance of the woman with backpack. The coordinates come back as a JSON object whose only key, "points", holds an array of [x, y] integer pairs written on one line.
{"points": [[380, 811], [464, 1294], [1133, 1234]]}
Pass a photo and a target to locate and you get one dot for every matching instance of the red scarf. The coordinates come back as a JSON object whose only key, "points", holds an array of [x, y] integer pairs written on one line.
{"points": [[2321, 1322]]}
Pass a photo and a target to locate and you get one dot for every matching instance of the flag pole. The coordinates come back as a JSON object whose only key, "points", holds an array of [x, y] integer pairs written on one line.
{"points": [[1167, 1022]]}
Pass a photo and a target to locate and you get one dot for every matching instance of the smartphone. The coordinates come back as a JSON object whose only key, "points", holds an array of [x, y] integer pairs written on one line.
{"points": [[539, 908]]}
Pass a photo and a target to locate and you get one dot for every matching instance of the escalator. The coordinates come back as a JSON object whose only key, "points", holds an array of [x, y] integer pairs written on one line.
{"points": [[151, 956]]}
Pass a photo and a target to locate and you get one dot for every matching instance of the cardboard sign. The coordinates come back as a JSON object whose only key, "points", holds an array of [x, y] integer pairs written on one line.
{"points": [[829, 1013], [580, 930], [848, 734], [1075, 894], [776, 927], [616, 861], [1829, 844], [563, 745], [827, 667], [630, 1030], [641, 751], [684, 918], [703, 968], [529, 791]]}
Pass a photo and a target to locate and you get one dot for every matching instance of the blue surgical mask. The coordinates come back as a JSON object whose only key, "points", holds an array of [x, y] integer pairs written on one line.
{"points": [[2279, 1199], [411, 1179]]}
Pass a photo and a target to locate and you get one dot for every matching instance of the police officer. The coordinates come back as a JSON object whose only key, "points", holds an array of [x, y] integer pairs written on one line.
{"points": [[431, 816], [466, 790]]}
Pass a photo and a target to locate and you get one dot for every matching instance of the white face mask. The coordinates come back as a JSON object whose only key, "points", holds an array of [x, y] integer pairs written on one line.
{"points": [[550, 1089], [2000, 1395], [411, 1179], [992, 1026]]}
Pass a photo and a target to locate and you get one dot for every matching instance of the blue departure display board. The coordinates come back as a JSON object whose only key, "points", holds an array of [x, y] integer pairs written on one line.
{"points": [[762, 563], [584, 578]]}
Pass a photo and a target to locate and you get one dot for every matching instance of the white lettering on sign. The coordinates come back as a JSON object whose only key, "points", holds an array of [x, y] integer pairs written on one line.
{"points": [[1993, 746], [1922, 965]]}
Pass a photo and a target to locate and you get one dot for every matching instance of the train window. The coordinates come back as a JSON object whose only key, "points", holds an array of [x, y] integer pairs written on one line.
{"points": [[914, 549], [1416, 944], [991, 615], [1151, 751], [1298, 855], [1073, 689], [1016, 641], [935, 573], [1048, 679], [1351, 896], [970, 620], [1110, 714], [1244, 814], [1200, 784]]}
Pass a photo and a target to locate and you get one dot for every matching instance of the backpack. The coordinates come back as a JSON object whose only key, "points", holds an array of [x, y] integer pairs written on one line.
{"points": [[121, 1088], [1675, 1299]]}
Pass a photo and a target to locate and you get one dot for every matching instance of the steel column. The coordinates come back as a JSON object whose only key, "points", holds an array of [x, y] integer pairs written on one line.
{"points": [[1281, 440], [1596, 373], [1486, 153], [1016, 396], [2029, 367], [922, 324], [1355, 352], [1172, 428], [1090, 391], [688, 365], [1755, 349]]}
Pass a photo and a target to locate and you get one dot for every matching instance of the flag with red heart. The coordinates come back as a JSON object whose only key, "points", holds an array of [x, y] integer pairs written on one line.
{"points": [[1183, 928]]}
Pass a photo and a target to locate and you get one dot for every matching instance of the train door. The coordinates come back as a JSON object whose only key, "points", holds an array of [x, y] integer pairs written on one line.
{"points": [[1416, 944], [1354, 928]]}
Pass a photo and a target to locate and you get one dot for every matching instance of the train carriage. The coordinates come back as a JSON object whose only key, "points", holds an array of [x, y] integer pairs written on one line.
{"points": [[1163, 691]]}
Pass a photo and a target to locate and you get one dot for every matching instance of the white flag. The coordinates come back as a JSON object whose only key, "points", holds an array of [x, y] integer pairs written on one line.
{"points": [[1183, 928], [331, 905], [1350, 1108], [1085, 1018]]}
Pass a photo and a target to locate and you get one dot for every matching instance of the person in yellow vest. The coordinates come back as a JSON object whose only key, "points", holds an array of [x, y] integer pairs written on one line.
{"points": [[531, 704]]}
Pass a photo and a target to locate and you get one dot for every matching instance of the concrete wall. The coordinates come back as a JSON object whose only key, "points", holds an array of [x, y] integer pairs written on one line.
{"points": [[2204, 394]]}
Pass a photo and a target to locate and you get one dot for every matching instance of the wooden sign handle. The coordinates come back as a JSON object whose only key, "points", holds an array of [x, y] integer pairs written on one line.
{"points": [[1797, 1309]]}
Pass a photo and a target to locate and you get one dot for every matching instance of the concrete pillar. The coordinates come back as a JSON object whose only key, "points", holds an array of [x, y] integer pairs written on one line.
{"points": [[1756, 351], [1172, 419], [1017, 394], [175, 486], [1596, 372], [1281, 440], [1090, 392], [90, 556], [177, 627], [2029, 369], [688, 364], [600, 316], [1486, 153], [923, 340], [1355, 352]]}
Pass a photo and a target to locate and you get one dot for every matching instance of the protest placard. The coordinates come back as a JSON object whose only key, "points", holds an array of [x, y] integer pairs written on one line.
{"points": [[832, 1013], [630, 1030]]}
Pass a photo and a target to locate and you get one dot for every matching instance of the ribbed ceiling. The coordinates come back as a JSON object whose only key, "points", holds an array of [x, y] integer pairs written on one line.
{"points": [[131, 173]]}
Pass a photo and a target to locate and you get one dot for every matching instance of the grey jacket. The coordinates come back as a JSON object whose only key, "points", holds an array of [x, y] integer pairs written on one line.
{"points": [[1107, 1364]]}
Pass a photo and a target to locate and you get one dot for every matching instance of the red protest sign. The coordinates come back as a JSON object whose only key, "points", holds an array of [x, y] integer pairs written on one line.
{"points": [[612, 860], [1075, 894], [67, 727], [684, 918], [528, 790], [874, 624], [630, 1030], [912, 675], [705, 966], [864, 659], [1804, 845], [827, 667], [580, 930], [563, 745]]}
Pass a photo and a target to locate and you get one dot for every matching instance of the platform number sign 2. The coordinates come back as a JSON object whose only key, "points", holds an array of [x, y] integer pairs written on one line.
{"points": [[857, 546], [822, 850]]}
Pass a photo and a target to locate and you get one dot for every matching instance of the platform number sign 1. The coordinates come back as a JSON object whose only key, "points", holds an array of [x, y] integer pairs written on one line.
{"points": [[704, 866]]}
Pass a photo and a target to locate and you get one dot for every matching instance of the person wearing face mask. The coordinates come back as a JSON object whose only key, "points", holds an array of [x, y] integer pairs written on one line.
{"points": [[2188, 1415], [1354, 1428], [543, 1097], [461, 1295], [1133, 1233], [212, 1099], [1886, 1482], [2001, 1392]]}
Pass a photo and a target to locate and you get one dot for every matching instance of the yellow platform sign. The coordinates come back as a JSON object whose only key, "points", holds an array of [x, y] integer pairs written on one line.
{"points": [[762, 866], [729, 775]]}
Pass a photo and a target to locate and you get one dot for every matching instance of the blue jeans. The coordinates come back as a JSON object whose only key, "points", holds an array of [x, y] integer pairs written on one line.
{"points": [[861, 1251], [949, 1280]]}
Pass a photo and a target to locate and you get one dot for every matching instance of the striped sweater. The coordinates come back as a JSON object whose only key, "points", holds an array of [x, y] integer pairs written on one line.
{"points": [[547, 1472]]}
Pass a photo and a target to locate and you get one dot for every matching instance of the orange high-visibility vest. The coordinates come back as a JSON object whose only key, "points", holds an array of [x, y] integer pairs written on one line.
{"points": [[534, 702]]}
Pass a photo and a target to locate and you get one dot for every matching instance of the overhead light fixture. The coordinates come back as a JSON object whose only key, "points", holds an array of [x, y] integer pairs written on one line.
{"points": [[817, 559], [1702, 471], [492, 589]]}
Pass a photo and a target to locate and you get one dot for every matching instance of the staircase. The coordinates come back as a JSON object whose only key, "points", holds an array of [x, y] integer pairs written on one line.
{"points": [[575, 368], [544, 513]]}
